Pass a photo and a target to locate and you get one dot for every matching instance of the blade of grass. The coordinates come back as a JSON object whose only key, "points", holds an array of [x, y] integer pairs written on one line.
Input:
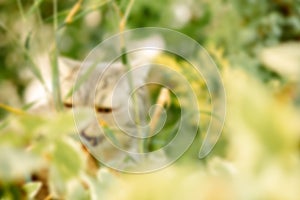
{"points": [[32, 66], [28, 105], [84, 12], [127, 66], [39, 15], [110, 134], [72, 13], [81, 13], [81, 80], [117, 10], [27, 41], [54, 64], [20, 6], [12, 109], [34, 7], [55, 80]]}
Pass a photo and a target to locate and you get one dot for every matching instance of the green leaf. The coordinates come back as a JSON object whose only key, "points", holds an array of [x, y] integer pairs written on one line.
{"points": [[34, 7], [32, 188], [76, 191], [111, 135], [33, 67], [54, 64], [55, 80], [99, 185], [66, 159], [81, 80]]}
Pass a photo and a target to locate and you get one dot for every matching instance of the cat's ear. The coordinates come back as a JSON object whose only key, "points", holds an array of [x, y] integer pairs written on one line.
{"points": [[68, 69], [140, 74], [142, 58], [68, 65]]}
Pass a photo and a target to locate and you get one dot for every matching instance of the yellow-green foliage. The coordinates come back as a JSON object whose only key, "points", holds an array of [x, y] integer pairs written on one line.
{"points": [[255, 44]]}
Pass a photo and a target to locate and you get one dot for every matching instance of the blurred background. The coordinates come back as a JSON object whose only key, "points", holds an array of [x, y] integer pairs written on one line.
{"points": [[256, 46]]}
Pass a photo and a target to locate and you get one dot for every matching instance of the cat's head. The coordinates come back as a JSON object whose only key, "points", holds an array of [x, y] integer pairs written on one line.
{"points": [[103, 85]]}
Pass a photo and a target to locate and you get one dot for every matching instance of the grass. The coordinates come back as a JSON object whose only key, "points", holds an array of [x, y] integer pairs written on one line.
{"points": [[259, 144]]}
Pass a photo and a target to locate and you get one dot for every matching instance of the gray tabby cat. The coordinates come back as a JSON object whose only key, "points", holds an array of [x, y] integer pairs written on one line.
{"points": [[106, 89]]}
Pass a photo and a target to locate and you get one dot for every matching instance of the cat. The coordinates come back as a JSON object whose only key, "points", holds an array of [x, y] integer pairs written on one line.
{"points": [[106, 90], [106, 94]]}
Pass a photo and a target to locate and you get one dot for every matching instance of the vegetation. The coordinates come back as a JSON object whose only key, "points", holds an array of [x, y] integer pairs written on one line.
{"points": [[255, 44]]}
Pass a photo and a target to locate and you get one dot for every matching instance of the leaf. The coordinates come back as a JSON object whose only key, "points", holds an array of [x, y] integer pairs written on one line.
{"points": [[29, 105], [55, 80], [110, 134], [33, 67], [73, 11], [99, 185], [76, 191], [12, 109], [66, 159], [32, 188], [55, 65], [34, 7], [27, 41], [58, 125]]}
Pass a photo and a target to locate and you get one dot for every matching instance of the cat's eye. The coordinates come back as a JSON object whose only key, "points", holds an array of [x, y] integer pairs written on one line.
{"points": [[103, 109], [97, 108], [68, 105]]}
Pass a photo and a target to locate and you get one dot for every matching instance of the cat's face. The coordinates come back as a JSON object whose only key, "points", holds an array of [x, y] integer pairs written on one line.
{"points": [[107, 89]]}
